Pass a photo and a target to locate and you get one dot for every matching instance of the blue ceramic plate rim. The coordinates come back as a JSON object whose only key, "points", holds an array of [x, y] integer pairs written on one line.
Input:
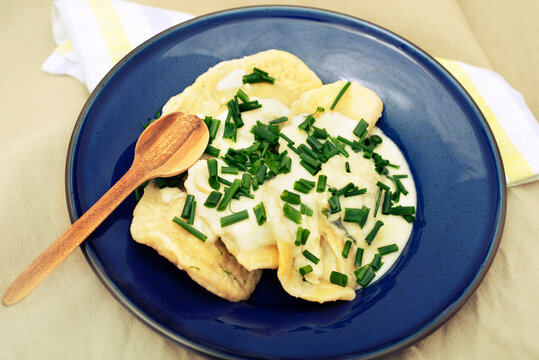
{"points": [[327, 16]]}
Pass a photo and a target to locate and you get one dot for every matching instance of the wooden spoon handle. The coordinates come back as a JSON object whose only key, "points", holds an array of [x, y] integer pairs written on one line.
{"points": [[45, 263]]}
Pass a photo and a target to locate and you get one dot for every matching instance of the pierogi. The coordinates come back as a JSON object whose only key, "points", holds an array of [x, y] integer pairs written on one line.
{"points": [[297, 130]]}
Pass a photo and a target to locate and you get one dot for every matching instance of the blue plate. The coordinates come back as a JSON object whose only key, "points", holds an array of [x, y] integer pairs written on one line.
{"points": [[451, 151]]}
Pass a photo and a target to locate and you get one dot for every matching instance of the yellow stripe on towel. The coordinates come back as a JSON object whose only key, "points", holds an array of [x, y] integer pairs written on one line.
{"points": [[516, 167], [65, 48], [112, 29]]}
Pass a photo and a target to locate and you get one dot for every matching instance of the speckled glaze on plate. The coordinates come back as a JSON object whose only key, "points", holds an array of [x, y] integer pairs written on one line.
{"points": [[450, 149]]}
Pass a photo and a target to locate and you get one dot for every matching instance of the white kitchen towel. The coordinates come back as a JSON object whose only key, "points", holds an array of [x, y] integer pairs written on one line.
{"points": [[92, 35]]}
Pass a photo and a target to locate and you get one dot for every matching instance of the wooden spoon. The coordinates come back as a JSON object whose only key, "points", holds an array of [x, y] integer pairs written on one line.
{"points": [[169, 146]]}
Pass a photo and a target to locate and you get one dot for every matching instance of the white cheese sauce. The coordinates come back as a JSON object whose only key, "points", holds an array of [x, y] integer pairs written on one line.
{"points": [[248, 235]]}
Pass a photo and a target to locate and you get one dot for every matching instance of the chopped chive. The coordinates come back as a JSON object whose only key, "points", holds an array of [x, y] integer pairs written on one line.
{"points": [[264, 133], [307, 123], [388, 249], [212, 167], [308, 167], [229, 170], [346, 249], [311, 257], [386, 205], [286, 165], [299, 236], [246, 181], [400, 176], [372, 234], [304, 270], [314, 143], [352, 215], [305, 210], [249, 105], [409, 218], [242, 95], [260, 213], [190, 229], [278, 120], [290, 197], [287, 139], [191, 218], [293, 149], [383, 186], [361, 128], [359, 273], [230, 131], [305, 236], [338, 279], [234, 218], [359, 256], [261, 174], [339, 95], [348, 187], [355, 192], [224, 181], [400, 186], [214, 126], [291, 213], [345, 141], [334, 204], [378, 202], [320, 133], [212, 151], [310, 161], [254, 181], [213, 199], [364, 215], [229, 194], [376, 262], [367, 276], [347, 166], [187, 206], [376, 139], [321, 185], [402, 210], [303, 185]]}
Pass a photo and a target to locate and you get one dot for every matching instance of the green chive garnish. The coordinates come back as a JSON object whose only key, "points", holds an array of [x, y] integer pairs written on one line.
{"points": [[367, 276], [299, 236], [242, 96], [346, 249], [246, 181], [304, 270], [307, 123], [355, 192], [402, 210], [361, 128], [359, 256], [376, 139], [352, 215], [187, 206], [311, 257], [321, 185], [376, 262], [191, 218], [340, 94], [320, 133], [345, 141], [372, 234], [190, 229], [347, 166], [279, 120], [338, 279], [213, 199], [287, 139], [212, 151], [364, 215], [234, 218], [388, 249], [315, 144], [257, 76], [214, 126], [400, 186], [229, 170], [305, 210], [378, 202], [229, 194], [348, 187], [334, 204], [260, 213], [382, 186], [386, 205], [224, 181], [304, 185], [290, 197], [249, 105], [212, 167], [292, 213]]}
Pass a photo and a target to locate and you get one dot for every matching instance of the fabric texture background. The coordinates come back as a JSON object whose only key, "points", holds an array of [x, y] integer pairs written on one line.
{"points": [[72, 316]]}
